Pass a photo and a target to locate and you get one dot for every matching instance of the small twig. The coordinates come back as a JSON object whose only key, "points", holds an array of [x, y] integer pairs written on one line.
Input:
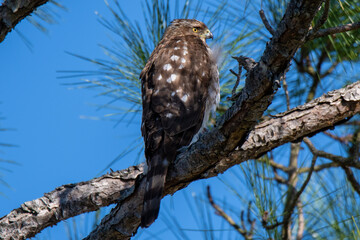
{"points": [[246, 62], [248, 215], [286, 94], [288, 212], [329, 70], [264, 222], [266, 22], [352, 123], [301, 220], [334, 30], [242, 220], [248, 235], [320, 167], [345, 139], [238, 75], [338, 159], [275, 178], [221, 212], [274, 164], [354, 151], [351, 178], [323, 18]]}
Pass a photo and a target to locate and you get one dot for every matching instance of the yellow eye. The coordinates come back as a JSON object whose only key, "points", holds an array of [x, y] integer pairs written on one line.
{"points": [[195, 29]]}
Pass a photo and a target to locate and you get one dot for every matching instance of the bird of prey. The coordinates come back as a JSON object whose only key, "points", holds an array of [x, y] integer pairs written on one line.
{"points": [[180, 89]]}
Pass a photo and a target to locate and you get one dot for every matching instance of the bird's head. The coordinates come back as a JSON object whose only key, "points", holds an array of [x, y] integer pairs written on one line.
{"points": [[190, 27]]}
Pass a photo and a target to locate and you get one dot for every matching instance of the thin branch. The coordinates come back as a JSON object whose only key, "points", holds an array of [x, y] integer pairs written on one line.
{"points": [[279, 179], [288, 211], [265, 219], [274, 164], [266, 22], [234, 95], [323, 18], [353, 123], [246, 62], [13, 11], [276, 177], [301, 221], [338, 159], [204, 159], [285, 86], [351, 178], [334, 30], [227, 218], [345, 139], [329, 70], [320, 167]]}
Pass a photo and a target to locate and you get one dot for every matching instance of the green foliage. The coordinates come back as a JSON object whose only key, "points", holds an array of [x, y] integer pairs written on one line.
{"points": [[343, 46], [330, 207], [118, 75], [5, 163], [45, 15]]}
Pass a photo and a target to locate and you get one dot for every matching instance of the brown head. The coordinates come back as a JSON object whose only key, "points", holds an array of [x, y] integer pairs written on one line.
{"points": [[188, 27]]}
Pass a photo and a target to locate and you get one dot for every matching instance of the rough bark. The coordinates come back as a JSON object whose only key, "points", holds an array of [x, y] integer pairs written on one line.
{"points": [[211, 155], [126, 187], [200, 162], [231, 142], [13, 11], [68, 201]]}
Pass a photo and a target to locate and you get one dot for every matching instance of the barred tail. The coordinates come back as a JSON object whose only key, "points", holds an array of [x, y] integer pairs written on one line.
{"points": [[155, 181]]}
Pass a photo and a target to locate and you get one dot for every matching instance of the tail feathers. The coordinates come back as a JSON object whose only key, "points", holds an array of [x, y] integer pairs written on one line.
{"points": [[155, 181]]}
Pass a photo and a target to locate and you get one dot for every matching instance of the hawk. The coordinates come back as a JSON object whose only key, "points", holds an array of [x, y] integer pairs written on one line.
{"points": [[180, 88]]}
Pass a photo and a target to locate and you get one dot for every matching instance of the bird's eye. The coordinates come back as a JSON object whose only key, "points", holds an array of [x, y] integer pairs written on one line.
{"points": [[195, 29]]}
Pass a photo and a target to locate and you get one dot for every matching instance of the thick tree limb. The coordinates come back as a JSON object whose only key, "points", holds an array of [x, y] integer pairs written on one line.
{"points": [[230, 142], [68, 201], [122, 187], [199, 161], [13, 11]]}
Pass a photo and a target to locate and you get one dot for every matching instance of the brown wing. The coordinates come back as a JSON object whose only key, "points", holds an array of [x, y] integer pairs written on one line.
{"points": [[175, 88]]}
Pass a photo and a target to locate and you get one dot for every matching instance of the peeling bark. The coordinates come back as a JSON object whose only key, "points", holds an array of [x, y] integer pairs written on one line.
{"points": [[237, 138], [199, 162], [13, 11], [126, 187], [68, 201]]}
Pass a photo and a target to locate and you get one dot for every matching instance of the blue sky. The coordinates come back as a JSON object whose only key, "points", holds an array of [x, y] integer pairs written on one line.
{"points": [[55, 145]]}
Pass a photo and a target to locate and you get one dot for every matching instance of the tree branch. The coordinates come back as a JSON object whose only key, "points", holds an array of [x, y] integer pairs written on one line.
{"points": [[342, 161], [231, 142], [205, 158], [290, 209], [334, 30], [320, 167], [266, 22], [227, 218], [323, 18], [68, 201], [301, 221], [351, 178], [199, 161], [13, 11]]}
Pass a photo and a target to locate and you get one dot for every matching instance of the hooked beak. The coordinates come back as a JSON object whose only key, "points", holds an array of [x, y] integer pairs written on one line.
{"points": [[208, 35]]}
